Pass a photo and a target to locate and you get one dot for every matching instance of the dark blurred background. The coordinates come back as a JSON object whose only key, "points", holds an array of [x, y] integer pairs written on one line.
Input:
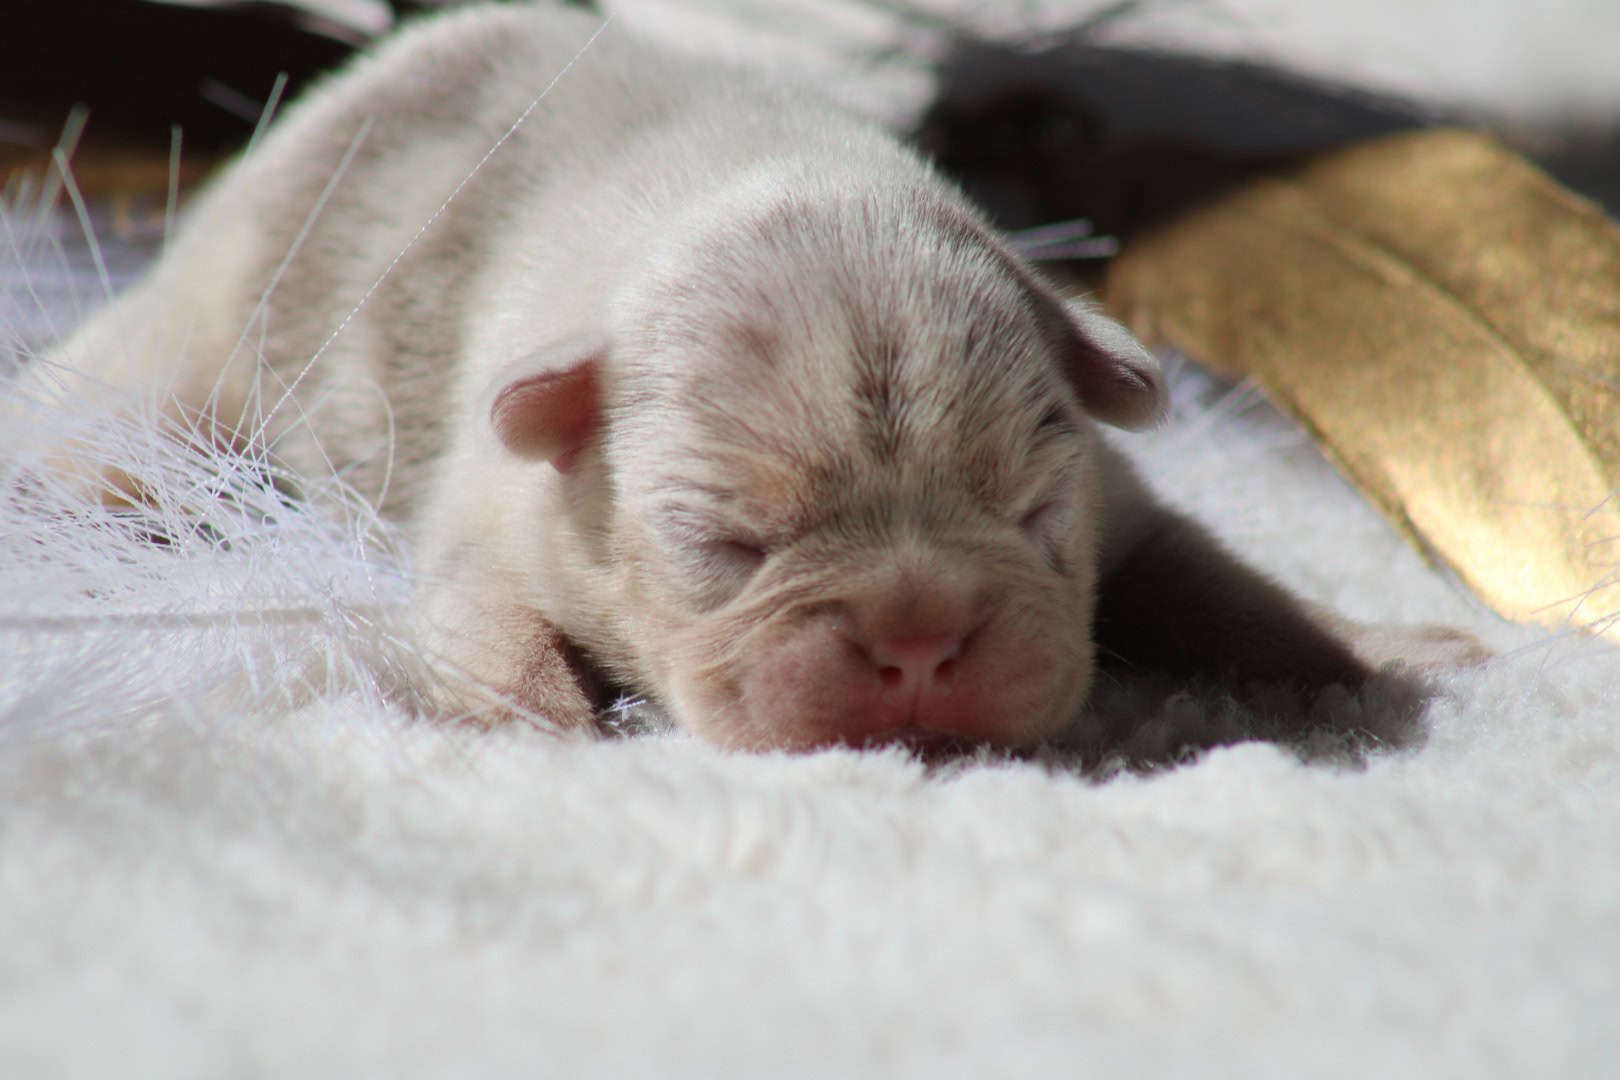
{"points": [[1071, 130]]}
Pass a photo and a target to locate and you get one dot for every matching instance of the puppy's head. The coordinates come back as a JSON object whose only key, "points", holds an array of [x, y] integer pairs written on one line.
{"points": [[849, 445]]}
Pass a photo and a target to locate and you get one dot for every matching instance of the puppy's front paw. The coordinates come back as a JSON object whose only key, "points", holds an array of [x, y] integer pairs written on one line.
{"points": [[540, 696], [1429, 647], [494, 661]]}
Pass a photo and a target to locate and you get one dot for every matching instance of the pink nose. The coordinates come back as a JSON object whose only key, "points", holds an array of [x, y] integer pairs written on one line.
{"points": [[907, 664]]}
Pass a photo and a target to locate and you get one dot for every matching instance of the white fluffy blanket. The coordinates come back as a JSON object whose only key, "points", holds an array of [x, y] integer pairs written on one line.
{"points": [[226, 851]]}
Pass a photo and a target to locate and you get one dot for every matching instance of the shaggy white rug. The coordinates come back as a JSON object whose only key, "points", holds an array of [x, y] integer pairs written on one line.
{"points": [[226, 850], [222, 852]]}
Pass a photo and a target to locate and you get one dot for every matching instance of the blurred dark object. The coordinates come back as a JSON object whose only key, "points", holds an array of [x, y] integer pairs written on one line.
{"points": [[1587, 161], [1125, 137], [140, 67], [1065, 130]]}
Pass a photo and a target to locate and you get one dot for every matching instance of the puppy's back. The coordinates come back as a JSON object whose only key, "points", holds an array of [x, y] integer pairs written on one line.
{"points": [[403, 215]]}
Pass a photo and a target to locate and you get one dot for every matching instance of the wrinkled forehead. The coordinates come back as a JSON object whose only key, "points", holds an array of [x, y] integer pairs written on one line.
{"points": [[899, 311], [809, 366]]}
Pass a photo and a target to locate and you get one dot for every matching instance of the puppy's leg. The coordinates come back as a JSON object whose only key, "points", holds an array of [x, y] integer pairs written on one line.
{"points": [[1181, 604], [495, 660], [1172, 599]]}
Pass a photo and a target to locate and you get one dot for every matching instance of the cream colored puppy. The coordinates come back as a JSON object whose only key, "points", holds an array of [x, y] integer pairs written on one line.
{"points": [[696, 387]]}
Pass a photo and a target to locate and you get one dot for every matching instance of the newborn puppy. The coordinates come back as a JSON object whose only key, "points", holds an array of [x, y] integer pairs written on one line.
{"points": [[694, 386]]}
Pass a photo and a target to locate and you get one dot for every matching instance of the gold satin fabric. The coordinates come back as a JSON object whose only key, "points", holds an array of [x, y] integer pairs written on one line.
{"points": [[1446, 320]]}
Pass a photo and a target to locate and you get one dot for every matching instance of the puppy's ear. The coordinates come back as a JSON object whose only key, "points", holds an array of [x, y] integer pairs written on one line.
{"points": [[1118, 381], [546, 406]]}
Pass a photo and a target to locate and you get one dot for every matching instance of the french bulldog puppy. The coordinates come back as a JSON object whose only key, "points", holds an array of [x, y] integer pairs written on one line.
{"points": [[695, 386]]}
